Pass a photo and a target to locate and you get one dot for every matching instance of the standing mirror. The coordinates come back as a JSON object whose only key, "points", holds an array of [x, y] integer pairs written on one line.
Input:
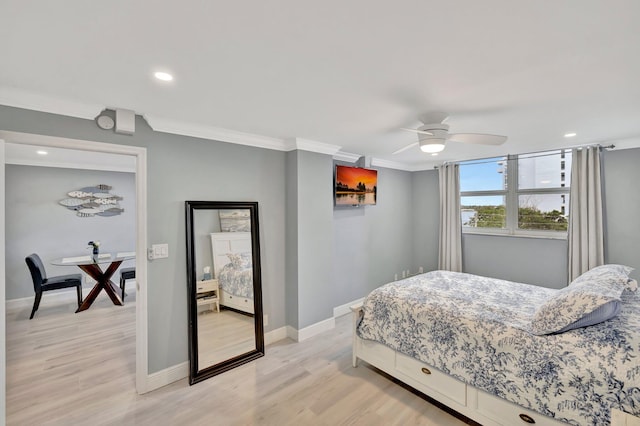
{"points": [[225, 291]]}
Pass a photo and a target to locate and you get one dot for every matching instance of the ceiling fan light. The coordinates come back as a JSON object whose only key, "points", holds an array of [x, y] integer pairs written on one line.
{"points": [[433, 145]]}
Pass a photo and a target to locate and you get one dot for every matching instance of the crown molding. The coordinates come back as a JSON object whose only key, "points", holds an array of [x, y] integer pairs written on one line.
{"points": [[176, 127], [313, 146], [346, 156], [19, 98], [378, 162], [38, 102]]}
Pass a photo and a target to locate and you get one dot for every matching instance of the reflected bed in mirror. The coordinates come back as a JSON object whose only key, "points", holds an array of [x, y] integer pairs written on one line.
{"points": [[224, 286]]}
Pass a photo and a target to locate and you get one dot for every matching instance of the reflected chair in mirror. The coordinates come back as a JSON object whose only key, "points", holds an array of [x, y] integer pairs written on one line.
{"points": [[41, 283], [126, 274]]}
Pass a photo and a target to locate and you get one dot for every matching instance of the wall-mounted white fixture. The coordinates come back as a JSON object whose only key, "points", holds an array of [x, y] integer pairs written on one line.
{"points": [[125, 121], [105, 122]]}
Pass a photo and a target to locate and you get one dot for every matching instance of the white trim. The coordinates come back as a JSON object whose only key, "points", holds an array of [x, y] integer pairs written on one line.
{"points": [[313, 146], [317, 328], [100, 167], [168, 375], [142, 328], [292, 333], [275, 335], [341, 310], [140, 153], [3, 327], [377, 162], [346, 156], [214, 133], [38, 102]]}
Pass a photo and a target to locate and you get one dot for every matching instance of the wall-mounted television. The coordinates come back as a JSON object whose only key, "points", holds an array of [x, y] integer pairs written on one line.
{"points": [[355, 186]]}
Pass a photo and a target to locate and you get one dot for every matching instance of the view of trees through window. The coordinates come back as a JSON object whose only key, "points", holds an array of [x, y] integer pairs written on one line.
{"points": [[526, 192]]}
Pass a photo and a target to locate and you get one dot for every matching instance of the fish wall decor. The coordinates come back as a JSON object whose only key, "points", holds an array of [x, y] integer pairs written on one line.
{"points": [[93, 201]]}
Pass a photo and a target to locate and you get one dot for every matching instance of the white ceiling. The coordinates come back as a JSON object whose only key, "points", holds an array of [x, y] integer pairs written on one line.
{"points": [[346, 73]]}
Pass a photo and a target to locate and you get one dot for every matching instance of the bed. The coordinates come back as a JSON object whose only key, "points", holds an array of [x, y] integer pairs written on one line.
{"points": [[232, 267], [488, 348]]}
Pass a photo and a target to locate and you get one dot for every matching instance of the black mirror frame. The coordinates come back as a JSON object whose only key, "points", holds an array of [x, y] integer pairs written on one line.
{"points": [[196, 375]]}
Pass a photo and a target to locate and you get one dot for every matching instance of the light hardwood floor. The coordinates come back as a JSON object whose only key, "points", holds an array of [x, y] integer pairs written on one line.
{"points": [[223, 335], [78, 369]]}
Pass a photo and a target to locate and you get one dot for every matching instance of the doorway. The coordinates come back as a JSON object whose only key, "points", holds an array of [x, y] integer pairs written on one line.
{"points": [[139, 154]]}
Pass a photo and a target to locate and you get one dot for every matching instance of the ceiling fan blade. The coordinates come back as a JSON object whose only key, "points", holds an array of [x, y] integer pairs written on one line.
{"points": [[405, 148], [478, 138], [422, 132]]}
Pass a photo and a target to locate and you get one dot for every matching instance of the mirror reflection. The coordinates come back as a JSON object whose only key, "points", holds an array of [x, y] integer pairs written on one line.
{"points": [[224, 324]]}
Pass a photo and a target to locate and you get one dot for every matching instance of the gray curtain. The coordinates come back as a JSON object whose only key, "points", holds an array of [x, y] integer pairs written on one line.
{"points": [[450, 240], [586, 237]]}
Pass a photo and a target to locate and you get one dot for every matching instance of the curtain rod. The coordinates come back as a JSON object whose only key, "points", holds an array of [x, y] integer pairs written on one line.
{"points": [[528, 154]]}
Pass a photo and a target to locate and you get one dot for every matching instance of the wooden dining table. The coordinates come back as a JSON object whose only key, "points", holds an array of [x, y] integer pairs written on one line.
{"points": [[91, 265]]}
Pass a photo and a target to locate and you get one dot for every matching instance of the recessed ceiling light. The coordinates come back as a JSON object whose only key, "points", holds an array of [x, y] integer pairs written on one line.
{"points": [[434, 154], [569, 135], [41, 152], [164, 76]]}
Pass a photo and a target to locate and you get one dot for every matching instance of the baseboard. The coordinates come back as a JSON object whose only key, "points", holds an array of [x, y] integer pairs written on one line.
{"points": [[292, 333], [167, 376], [317, 328], [341, 310], [275, 335]]}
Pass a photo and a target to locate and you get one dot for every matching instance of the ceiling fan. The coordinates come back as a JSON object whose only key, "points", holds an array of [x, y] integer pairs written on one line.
{"points": [[434, 133]]}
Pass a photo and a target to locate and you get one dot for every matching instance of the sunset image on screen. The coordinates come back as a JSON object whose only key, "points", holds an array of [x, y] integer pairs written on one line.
{"points": [[356, 186]]}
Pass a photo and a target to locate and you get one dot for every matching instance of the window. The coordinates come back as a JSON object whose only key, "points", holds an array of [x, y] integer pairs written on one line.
{"points": [[518, 195]]}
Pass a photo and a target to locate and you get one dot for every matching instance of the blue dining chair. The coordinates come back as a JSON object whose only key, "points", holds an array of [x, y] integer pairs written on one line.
{"points": [[41, 283]]}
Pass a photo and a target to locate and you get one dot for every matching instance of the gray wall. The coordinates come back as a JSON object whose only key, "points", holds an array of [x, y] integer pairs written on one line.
{"points": [[622, 201], [35, 222], [291, 236], [373, 243], [182, 168], [315, 237], [426, 217], [527, 260]]}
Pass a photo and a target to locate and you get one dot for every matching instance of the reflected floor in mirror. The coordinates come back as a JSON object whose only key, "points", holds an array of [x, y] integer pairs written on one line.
{"points": [[223, 335], [78, 369]]}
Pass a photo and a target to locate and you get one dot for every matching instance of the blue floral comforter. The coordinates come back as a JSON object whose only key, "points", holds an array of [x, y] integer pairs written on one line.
{"points": [[475, 329], [236, 280]]}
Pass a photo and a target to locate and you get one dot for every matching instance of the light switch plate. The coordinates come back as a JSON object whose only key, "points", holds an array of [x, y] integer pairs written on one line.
{"points": [[160, 251]]}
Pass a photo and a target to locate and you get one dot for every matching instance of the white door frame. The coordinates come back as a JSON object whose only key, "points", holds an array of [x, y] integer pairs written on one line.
{"points": [[141, 242]]}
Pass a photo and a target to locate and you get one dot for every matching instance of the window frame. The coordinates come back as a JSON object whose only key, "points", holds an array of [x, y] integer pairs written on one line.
{"points": [[512, 203]]}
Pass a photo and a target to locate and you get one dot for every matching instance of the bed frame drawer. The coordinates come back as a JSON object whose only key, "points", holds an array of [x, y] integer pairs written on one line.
{"points": [[509, 414], [431, 379]]}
